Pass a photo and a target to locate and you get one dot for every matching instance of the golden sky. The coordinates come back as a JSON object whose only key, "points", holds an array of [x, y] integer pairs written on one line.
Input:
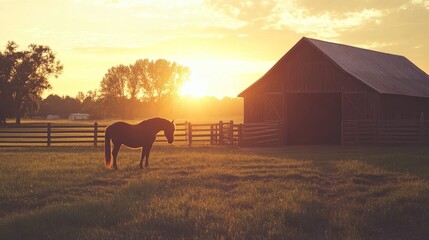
{"points": [[228, 44]]}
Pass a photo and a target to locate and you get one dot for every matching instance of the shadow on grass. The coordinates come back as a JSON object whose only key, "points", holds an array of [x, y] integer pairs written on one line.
{"points": [[66, 221], [413, 160]]}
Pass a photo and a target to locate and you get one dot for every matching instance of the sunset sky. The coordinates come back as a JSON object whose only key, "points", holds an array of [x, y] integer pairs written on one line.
{"points": [[227, 44]]}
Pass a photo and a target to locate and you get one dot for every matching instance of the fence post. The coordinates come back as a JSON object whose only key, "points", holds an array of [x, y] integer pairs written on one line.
{"points": [[422, 128], [189, 133], [216, 126], [240, 133], [220, 132], [231, 132], [211, 134], [95, 134], [48, 140]]}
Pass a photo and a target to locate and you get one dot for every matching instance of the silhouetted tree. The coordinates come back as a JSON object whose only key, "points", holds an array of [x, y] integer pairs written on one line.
{"points": [[25, 75], [164, 79], [113, 88], [124, 88], [52, 104], [92, 105], [80, 96], [8, 60]]}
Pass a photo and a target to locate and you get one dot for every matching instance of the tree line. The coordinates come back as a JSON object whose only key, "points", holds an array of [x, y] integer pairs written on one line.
{"points": [[146, 83], [182, 107], [142, 89]]}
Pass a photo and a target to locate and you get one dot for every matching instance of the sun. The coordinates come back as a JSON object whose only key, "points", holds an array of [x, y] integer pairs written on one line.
{"points": [[195, 87]]}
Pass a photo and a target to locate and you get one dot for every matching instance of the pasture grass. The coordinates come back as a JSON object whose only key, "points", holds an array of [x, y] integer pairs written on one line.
{"points": [[298, 192]]}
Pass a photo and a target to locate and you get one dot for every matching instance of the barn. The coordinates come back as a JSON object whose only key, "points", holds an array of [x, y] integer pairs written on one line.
{"points": [[328, 93]]}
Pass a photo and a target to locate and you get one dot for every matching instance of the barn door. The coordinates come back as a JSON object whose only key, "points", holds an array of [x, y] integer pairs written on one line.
{"points": [[274, 107]]}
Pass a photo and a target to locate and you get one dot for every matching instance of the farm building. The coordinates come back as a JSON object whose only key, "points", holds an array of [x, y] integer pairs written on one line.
{"points": [[78, 116], [328, 93], [53, 117]]}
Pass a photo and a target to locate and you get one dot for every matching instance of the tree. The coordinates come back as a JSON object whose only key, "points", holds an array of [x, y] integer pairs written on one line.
{"points": [[164, 79], [7, 67], [149, 81], [25, 75], [80, 96], [113, 88], [92, 104], [137, 78]]}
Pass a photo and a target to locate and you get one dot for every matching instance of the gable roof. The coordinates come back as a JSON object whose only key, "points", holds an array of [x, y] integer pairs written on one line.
{"points": [[383, 72]]}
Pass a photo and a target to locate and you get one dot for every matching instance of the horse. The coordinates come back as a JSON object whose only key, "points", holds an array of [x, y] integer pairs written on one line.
{"points": [[141, 135]]}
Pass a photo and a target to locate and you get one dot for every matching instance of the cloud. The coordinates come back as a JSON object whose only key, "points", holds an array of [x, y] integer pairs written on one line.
{"points": [[325, 25], [280, 15], [170, 13], [424, 3]]}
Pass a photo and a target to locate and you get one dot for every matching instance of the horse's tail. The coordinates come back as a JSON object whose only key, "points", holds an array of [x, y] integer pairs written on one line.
{"points": [[107, 152]]}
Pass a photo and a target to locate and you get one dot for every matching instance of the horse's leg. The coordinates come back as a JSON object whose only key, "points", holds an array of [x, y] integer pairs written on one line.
{"points": [[142, 157], [115, 152], [148, 148]]}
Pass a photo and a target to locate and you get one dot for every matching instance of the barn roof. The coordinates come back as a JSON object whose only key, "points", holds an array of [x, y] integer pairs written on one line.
{"points": [[386, 73]]}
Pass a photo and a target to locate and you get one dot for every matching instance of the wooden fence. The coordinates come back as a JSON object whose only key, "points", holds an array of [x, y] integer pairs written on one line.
{"points": [[265, 134], [356, 132], [93, 135], [385, 132]]}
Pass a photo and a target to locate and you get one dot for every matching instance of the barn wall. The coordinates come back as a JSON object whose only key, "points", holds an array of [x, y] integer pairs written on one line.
{"points": [[254, 108], [396, 107]]}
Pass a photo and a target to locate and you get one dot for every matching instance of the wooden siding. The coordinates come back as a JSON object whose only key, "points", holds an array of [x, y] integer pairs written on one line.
{"points": [[396, 107]]}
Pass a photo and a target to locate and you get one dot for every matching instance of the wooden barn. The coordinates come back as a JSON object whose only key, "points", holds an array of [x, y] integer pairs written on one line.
{"points": [[327, 93]]}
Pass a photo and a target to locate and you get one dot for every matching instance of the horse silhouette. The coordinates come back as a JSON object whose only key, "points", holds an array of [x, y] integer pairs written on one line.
{"points": [[140, 135]]}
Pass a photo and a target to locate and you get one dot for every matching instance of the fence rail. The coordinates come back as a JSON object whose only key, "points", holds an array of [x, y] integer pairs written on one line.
{"points": [[93, 134], [261, 134], [385, 132], [356, 132]]}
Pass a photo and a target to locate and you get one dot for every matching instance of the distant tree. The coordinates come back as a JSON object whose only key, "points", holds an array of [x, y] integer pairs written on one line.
{"points": [[112, 89], [70, 105], [137, 79], [123, 88], [164, 79], [92, 104], [52, 104], [63, 106], [80, 96], [25, 75]]}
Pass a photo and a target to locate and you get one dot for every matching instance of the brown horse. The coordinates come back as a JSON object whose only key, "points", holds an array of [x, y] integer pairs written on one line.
{"points": [[141, 135]]}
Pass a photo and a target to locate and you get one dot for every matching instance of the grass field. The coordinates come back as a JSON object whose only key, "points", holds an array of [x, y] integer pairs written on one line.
{"points": [[309, 192]]}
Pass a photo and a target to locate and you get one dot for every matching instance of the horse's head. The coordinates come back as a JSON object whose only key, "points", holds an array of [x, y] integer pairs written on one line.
{"points": [[169, 132]]}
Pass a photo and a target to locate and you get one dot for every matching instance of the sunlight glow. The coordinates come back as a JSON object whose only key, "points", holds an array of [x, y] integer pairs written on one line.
{"points": [[195, 87]]}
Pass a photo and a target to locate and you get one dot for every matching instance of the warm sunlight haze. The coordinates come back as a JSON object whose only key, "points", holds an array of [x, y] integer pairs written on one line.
{"points": [[194, 88], [226, 44]]}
